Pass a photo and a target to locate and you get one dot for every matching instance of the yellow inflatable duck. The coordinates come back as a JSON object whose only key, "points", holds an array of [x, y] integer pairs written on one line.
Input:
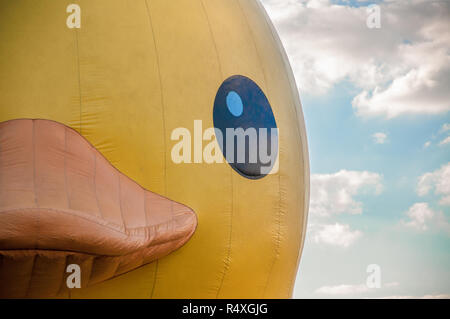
{"points": [[122, 158]]}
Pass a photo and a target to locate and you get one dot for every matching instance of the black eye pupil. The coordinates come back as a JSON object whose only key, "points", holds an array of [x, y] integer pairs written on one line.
{"points": [[244, 117]]}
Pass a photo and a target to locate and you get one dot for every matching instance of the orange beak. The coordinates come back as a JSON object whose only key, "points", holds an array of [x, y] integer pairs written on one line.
{"points": [[62, 203]]}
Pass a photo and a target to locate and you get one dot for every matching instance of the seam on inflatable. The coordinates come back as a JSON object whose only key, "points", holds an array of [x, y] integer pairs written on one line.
{"points": [[163, 117], [254, 45], [279, 214], [31, 274], [284, 58], [161, 93], [230, 236], [91, 269], [212, 36], [278, 240], [154, 278], [61, 284]]}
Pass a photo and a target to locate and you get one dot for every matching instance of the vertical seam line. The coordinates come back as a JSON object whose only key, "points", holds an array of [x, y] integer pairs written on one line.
{"points": [[161, 93], [31, 275], [61, 285], [163, 120], [278, 241], [254, 43], [91, 270], [302, 145], [227, 263]]}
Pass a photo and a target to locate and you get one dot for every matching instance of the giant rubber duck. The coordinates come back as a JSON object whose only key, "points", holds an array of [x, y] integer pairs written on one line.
{"points": [[115, 157]]}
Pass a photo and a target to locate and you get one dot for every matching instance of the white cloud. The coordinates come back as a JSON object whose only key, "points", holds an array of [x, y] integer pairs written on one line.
{"points": [[379, 138], [438, 180], [401, 68], [422, 218], [334, 193], [335, 235], [427, 144], [445, 141], [445, 127], [420, 215]]}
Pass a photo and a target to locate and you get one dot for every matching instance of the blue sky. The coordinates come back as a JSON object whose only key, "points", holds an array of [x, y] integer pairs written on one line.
{"points": [[376, 107]]}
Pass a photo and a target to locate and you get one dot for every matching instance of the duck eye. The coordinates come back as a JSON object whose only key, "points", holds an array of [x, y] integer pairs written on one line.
{"points": [[244, 119]]}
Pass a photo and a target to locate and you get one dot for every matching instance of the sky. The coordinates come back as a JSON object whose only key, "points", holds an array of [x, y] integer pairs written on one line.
{"points": [[376, 103]]}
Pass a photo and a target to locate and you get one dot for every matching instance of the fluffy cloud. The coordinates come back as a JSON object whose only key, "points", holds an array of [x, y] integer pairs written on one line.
{"points": [[379, 138], [334, 193], [445, 141], [445, 127], [422, 218], [334, 234], [420, 215], [401, 68], [438, 180]]}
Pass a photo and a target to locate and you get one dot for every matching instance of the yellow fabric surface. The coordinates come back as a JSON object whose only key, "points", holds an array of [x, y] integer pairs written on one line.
{"points": [[134, 72]]}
